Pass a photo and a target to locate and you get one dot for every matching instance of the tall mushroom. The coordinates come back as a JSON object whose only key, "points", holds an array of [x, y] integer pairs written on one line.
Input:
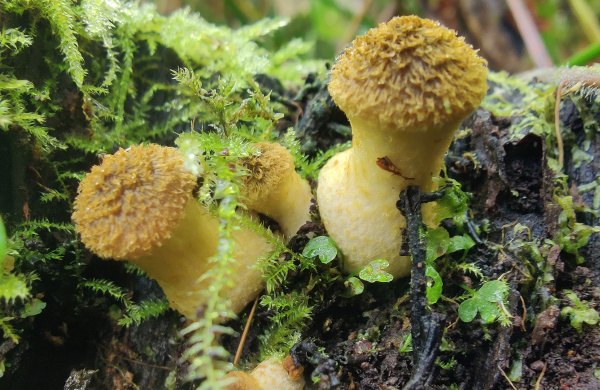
{"points": [[405, 87], [138, 206]]}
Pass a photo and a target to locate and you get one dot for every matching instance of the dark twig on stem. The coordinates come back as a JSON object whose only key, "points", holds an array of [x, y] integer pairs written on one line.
{"points": [[424, 368], [426, 326]]}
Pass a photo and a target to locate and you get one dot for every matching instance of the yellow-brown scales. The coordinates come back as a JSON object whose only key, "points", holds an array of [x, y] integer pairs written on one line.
{"points": [[137, 205], [275, 189], [405, 87]]}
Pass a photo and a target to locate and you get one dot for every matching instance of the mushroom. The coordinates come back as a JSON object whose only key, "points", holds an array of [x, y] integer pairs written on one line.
{"points": [[275, 189], [405, 87], [271, 374], [137, 205]]}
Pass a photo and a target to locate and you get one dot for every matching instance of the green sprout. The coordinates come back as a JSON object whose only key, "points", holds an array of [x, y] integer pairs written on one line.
{"points": [[322, 247], [454, 203], [406, 344], [353, 287], [434, 285], [439, 243], [374, 272], [571, 235], [326, 250], [489, 301], [579, 312]]}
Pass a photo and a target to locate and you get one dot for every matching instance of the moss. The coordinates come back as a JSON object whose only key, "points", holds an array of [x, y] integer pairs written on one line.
{"points": [[106, 74]]}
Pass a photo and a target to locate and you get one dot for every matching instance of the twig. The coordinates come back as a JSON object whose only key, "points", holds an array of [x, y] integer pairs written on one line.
{"points": [[530, 34], [121, 356], [120, 372], [452, 301], [452, 325], [147, 364], [426, 328], [515, 266], [507, 378], [506, 312], [238, 353], [539, 379], [410, 205], [524, 313], [424, 368]]}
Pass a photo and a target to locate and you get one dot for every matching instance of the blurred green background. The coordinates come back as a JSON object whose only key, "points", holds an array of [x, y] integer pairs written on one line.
{"points": [[567, 27]]}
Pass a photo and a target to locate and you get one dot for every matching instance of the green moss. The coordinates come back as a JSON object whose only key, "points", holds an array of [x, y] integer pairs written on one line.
{"points": [[109, 74], [118, 55], [571, 235]]}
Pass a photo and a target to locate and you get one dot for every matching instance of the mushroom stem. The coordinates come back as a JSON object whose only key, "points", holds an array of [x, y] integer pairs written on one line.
{"points": [[403, 149], [355, 180], [289, 205], [181, 260]]}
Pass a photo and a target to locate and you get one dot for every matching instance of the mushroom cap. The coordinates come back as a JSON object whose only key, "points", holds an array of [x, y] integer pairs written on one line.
{"points": [[132, 201], [410, 73], [266, 171], [270, 374]]}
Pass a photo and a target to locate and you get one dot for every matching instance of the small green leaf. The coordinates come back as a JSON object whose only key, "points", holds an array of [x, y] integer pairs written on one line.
{"points": [[590, 316], [580, 312], [434, 286], [458, 243], [454, 203], [323, 247], [487, 310], [353, 287], [32, 308], [485, 301], [468, 309], [493, 291], [406, 344], [373, 272], [516, 370], [437, 243]]}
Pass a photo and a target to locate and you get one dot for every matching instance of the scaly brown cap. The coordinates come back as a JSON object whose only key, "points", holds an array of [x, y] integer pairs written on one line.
{"points": [[410, 72], [132, 201], [266, 171]]}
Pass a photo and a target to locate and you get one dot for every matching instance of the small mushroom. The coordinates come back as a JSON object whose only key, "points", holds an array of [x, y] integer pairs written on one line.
{"points": [[271, 374], [405, 87], [275, 189], [137, 205]]}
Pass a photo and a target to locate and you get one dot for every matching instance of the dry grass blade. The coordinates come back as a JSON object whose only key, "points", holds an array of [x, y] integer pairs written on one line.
{"points": [[530, 33]]}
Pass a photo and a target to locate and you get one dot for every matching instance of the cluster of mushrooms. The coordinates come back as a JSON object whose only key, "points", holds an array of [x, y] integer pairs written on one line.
{"points": [[405, 87]]}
